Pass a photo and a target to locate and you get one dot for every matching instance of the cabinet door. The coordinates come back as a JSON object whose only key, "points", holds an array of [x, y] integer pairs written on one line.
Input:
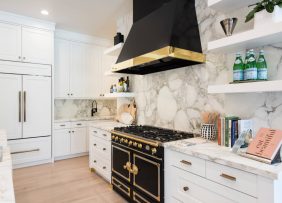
{"points": [[78, 140], [107, 81], [62, 68], [10, 42], [11, 105], [78, 67], [94, 59], [37, 106], [62, 142], [37, 46]]}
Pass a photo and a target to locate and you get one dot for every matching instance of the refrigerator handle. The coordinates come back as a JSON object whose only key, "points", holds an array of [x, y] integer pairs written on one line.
{"points": [[24, 106], [20, 106]]}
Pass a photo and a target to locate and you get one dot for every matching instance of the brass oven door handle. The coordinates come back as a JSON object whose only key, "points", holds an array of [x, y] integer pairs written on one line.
{"points": [[134, 169], [33, 150], [127, 166], [20, 106], [228, 177], [24, 106], [186, 162]]}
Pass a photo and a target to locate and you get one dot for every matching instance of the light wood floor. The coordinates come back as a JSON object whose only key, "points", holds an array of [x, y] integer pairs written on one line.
{"points": [[67, 181]]}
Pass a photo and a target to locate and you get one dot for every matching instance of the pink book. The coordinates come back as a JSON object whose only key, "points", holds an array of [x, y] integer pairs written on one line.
{"points": [[266, 143]]}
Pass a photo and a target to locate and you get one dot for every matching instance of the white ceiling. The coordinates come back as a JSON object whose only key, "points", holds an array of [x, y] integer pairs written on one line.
{"points": [[90, 17]]}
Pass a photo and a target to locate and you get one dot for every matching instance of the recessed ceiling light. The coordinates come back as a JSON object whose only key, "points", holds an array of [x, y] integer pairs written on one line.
{"points": [[45, 12]]}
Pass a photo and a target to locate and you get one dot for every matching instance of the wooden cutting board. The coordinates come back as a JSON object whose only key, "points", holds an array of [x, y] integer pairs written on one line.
{"points": [[125, 108]]}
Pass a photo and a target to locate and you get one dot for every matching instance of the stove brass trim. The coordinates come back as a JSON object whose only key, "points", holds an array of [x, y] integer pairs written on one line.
{"points": [[168, 51]]}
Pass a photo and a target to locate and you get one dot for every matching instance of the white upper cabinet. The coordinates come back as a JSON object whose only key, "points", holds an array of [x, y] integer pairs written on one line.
{"points": [[62, 68], [11, 105], [36, 106], [10, 42], [36, 46], [78, 67], [94, 71]]}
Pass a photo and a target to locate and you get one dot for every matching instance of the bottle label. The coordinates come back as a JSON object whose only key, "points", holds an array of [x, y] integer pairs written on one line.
{"points": [[261, 60], [246, 61], [237, 61], [252, 74], [262, 74], [251, 59], [238, 75], [245, 74]]}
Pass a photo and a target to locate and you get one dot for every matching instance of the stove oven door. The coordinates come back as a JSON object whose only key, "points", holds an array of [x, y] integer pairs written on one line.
{"points": [[148, 175], [121, 162]]}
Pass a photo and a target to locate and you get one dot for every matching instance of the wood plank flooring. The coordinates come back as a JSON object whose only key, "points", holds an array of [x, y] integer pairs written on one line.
{"points": [[66, 181]]}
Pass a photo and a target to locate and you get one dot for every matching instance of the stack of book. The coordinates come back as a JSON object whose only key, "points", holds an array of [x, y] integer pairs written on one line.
{"points": [[229, 128]]}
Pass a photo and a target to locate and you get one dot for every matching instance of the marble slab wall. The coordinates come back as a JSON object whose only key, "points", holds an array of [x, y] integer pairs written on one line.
{"points": [[176, 98], [69, 108]]}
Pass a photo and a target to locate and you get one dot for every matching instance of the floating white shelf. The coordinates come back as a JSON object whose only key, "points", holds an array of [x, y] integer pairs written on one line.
{"points": [[113, 74], [246, 40], [115, 50], [120, 94], [227, 6], [254, 87]]}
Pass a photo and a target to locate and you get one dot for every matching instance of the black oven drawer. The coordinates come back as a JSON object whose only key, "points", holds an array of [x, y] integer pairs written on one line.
{"points": [[138, 197], [122, 188]]}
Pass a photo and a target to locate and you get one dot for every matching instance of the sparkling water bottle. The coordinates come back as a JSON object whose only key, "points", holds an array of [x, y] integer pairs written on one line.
{"points": [[238, 69], [245, 65], [262, 67], [252, 72]]}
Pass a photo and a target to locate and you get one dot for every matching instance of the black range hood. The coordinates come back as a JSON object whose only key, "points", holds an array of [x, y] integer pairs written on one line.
{"points": [[167, 38]]}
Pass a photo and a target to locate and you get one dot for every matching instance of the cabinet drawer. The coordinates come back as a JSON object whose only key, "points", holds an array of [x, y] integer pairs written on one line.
{"points": [[189, 163], [29, 150], [173, 200], [102, 147], [233, 178], [187, 187], [101, 133], [78, 124], [63, 125], [101, 165]]}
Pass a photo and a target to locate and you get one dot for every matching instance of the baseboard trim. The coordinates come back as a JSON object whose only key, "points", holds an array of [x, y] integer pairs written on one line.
{"points": [[71, 156], [34, 163]]}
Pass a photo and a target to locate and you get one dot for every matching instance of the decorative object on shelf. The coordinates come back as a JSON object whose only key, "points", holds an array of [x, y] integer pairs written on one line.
{"points": [[266, 12], [208, 130], [238, 70], [112, 89], [228, 25], [262, 67], [119, 38], [125, 108], [115, 88]]}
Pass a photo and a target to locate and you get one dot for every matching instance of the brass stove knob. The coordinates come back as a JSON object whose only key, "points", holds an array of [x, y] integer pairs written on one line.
{"points": [[126, 141], [130, 143], [154, 150], [113, 137], [135, 144], [140, 145], [116, 138], [121, 140]]}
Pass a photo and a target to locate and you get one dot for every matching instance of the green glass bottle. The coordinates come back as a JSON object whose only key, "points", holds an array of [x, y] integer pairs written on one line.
{"points": [[245, 65], [238, 69], [252, 71], [262, 67]]}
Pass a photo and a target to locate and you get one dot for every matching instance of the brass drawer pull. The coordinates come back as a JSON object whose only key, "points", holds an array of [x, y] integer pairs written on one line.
{"points": [[186, 162], [94, 144], [73, 131], [228, 177], [33, 150], [94, 131], [62, 125], [104, 167], [105, 135], [104, 149], [186, 188], [94, 161], [78, 124]]}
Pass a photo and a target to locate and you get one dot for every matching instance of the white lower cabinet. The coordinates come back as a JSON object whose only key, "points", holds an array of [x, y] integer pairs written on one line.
{"points": [[78, 140], [62, 142]]}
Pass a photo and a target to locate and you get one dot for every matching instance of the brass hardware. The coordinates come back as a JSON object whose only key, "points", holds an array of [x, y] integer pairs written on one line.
{"points": [[24, 106], [105, 135], [116, 138], [33, 150], [134, 169], [71, 94], [140, 145], [111, 186], [155, 144], [134, 196], [94, 161], [92, 169], [78, 124], [19, 57], [158, 165], [128, 166], [69, 131], [23, 57], [73, 131], [119, 185], [135, 144], [128, 153], [126, 141], [124, 166], [186, 188], [134, 155], [134, 183], [112, 169], [104, 149], [113, 137], [62, 125], [20, 106], [154, 150], [228, 177], [121, 140], [94, 131], [159, 199], [68, 94], [186, 162], [104, 167], [160, 54], [94, 144], [130, 143]]}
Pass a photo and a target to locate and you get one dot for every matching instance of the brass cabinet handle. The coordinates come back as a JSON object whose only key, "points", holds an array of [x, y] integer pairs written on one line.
{"points": [[103, 95], [127, 166], [94, 144], [94, 161], [24, 106], [69, 131], [78, 124], [19, 57], [104, 149], [94, 131], [228, 177], [104, 167], [73, 131], [105, 135], [68, 94], [23, 57], [71, 94], [134, 169], [62, 125], [20, 106], [186, 162], [186, 188], [33, 150]]}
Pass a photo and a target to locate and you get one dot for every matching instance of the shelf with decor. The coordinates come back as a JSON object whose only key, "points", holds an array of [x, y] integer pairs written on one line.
{"points": [[120, 94], [252, 87], [115, 50], [113, 74], [227, 6]]}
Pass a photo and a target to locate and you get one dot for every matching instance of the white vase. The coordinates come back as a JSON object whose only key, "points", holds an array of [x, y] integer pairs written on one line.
{"points": [[263, 18]]}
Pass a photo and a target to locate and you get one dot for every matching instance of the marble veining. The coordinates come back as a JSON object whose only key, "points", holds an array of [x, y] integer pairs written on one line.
{"points": [[212, 152], [107, 125], [95, 118]]}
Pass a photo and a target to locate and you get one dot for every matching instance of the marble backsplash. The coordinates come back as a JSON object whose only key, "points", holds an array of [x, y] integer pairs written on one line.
{"points": [[176, 98], [70, 108]]}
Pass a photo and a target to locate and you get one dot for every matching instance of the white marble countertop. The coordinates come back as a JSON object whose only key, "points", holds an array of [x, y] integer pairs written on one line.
{"points": [[107, 125], [3, 138], [94, 118], [7, 194], [212, 152]]}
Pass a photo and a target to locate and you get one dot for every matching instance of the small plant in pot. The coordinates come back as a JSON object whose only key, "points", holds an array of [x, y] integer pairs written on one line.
{"points": [[266, 12]]}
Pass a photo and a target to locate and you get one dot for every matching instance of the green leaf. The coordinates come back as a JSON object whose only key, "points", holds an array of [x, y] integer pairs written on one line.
{"points": [[270, 7], [252, 13], [280, 4], [249, 18]]}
